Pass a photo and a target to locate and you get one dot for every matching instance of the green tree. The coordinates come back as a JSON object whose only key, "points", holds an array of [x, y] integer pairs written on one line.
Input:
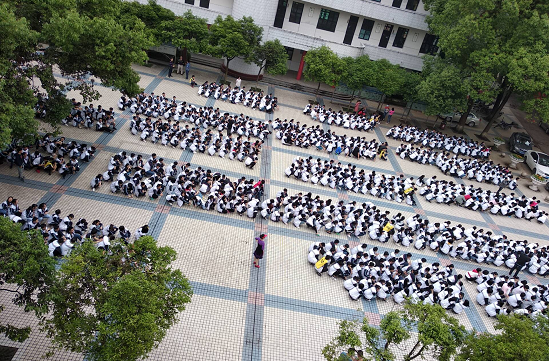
{"points": [[26, 272], [442, 87], [438, 334], [321, 63], [230, 38], [116, 305], [518, 338], [358, 73], [374, 342], [187, 32], [409, 90], [502, 45], [151, 14], [389, 78], [272, 57], [80, 39]]}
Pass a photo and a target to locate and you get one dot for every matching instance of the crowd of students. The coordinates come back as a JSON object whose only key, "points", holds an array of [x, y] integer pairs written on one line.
{"points": [[50, 155], [358, 121], [89, 116], [293, 133], [436, 140], [473, 169], [333, 174], [239, 95], [353, 219], [371, 274], [503, 294], [63, 233], [478, 199], [134, 177]]}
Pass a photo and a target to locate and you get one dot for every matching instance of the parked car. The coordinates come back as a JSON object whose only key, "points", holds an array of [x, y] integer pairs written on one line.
{"points": [[520, 143], [544, 126], [472, 119], [538, 162]]}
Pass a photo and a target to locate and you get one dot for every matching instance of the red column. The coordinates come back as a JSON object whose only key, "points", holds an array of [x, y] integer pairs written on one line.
{"points": [[301, 64]]}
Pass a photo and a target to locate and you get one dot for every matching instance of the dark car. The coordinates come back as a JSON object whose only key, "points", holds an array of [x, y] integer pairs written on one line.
{"points": [[520, 143], [544, 126]]}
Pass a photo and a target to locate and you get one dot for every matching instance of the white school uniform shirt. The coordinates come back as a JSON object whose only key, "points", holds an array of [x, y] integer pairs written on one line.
{"points": [[355, 293], [513, 300]]}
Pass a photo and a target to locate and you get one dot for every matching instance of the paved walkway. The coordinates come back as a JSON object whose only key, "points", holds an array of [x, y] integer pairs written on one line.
{"points": [[281, 311]]}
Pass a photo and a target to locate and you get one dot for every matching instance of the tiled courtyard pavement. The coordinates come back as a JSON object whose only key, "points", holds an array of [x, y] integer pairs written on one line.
{"points": [[281, 311]]}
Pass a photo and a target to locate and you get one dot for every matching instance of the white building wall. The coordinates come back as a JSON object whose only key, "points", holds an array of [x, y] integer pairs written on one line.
{"points": [[305, 36], [217, 7], [305, 33], [378, 10]]}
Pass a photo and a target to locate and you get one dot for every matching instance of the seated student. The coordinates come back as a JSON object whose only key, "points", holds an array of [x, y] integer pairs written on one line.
{"points": [[96, 182], [496, 308], [356, 292], [142, 231], [322, 265]]}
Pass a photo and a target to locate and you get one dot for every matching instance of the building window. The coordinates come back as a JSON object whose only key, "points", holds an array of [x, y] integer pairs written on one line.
{"points": [[397, 3], [429, 44], [280, 13], [366, 29], [412, 5], [327, 20], [205, 4], [296, 12], [190, 2], [400, 37]]}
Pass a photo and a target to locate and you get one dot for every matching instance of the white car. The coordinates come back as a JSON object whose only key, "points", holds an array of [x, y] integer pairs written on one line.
{"points": [[538, 162], [472, 119]]}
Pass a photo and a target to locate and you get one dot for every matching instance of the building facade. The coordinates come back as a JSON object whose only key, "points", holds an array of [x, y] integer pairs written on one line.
{"points": [[391, 29]]}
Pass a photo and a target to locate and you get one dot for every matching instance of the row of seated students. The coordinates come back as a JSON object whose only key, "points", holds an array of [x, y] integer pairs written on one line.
{"points": [[371, 274], [439, 141], [51, 155], [503, 294], [483, 200], [239, 95], [351, 178], [63, 233], [91, 117], [366, 219], [179, 183], [361, 121], [293, 133], [482, 171]]}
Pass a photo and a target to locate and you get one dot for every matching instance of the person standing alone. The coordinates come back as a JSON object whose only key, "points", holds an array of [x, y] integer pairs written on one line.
{"points": [[180, 65], [170, 68], [390, 115], [19, 161], [187, 69], [260, 249]]}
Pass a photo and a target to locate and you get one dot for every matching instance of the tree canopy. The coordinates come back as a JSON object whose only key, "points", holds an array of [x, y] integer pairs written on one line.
{"points": [[77, 39], [188, 32], [116, 305], [271, 56], [26, 272], [322, 65], [518, 338], [502, 46], [438, 335], [230, 38]]}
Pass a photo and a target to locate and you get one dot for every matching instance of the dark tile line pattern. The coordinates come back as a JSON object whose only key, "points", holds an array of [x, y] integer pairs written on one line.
{"points": [[255, 308]]}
